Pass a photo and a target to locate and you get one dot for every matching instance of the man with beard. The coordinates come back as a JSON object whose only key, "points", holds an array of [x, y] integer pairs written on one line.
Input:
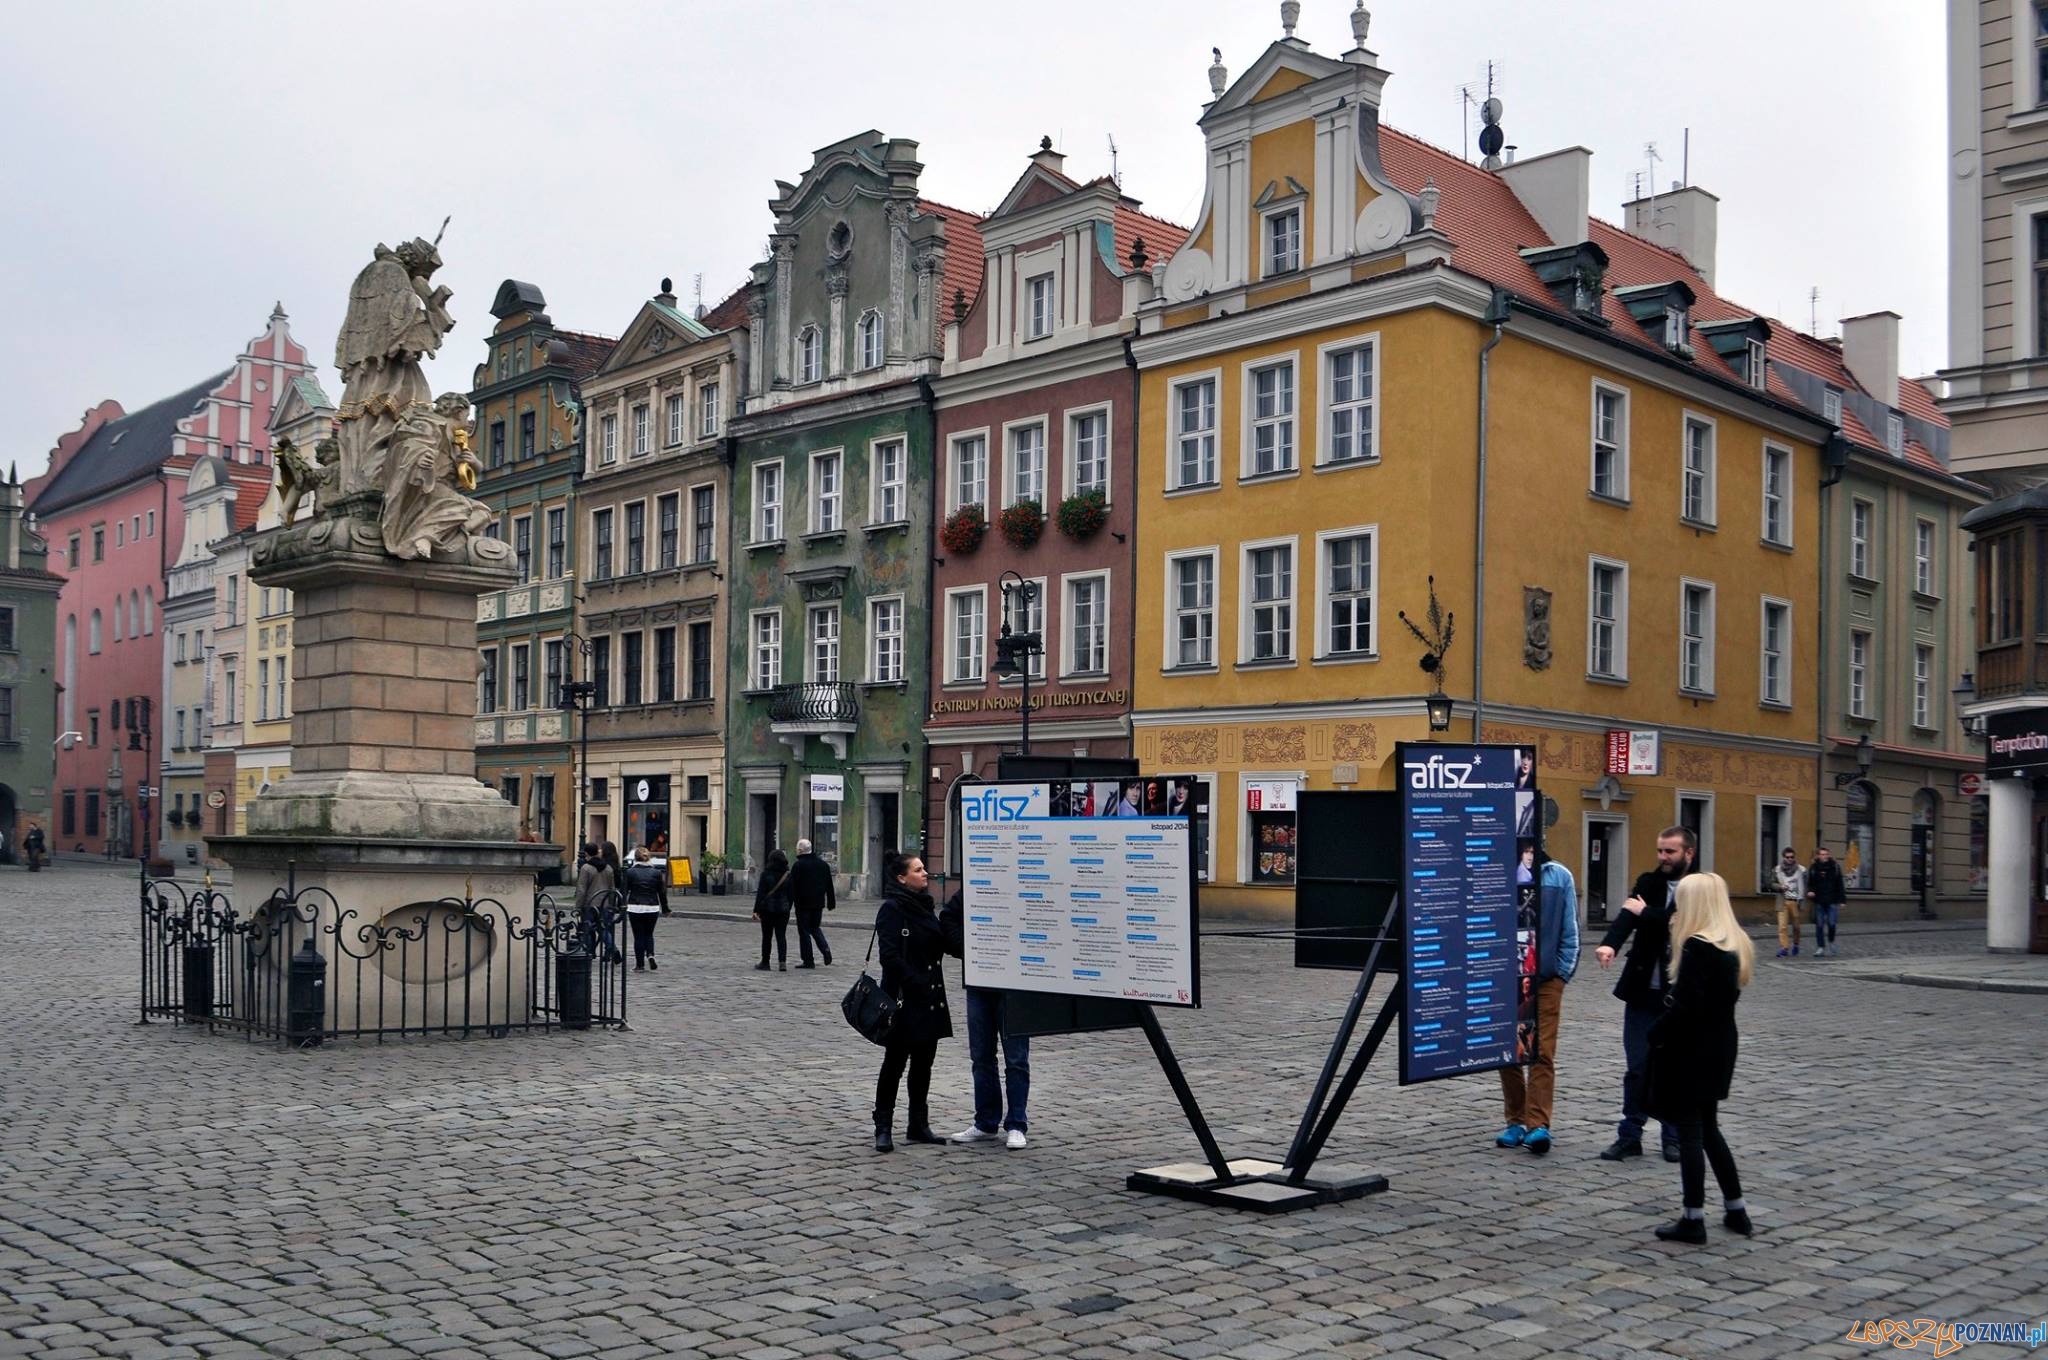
{"points": [[1647, 916]]}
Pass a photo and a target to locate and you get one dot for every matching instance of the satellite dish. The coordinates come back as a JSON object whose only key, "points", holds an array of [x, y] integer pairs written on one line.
{"points": [[1489, 112], [1490, 139]]}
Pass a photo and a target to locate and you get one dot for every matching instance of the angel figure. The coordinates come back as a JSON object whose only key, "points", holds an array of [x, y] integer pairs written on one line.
{"points": [[429, 465], [394, 320]]}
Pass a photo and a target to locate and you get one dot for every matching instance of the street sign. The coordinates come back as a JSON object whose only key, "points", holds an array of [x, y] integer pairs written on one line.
{"points": [[216, 799], [828, 788], [1969, 784]]}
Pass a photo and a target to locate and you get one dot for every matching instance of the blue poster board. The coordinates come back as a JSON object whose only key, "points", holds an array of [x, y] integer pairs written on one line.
{"points": [[1463, 969]]}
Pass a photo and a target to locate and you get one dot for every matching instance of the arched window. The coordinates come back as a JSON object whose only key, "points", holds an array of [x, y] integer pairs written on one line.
{"points": [[135, 613], [149, 609], [70, 669], [871, 339], [808, 355], [118, 618], [92, 634], [1859, 856]]}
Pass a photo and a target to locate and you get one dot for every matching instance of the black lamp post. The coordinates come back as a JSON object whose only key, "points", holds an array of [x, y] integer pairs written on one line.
{"points": [[141, 737], [576, 696], [1015, 650]]}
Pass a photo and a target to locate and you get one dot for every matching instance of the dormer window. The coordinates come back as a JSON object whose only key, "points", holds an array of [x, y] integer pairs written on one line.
{"points": [[809, 355], [871, 339], [1831, 407], [1895, 434], [1753, 362], [1676, 327], [1038, 312], [1574, 275], [1283, 241]]}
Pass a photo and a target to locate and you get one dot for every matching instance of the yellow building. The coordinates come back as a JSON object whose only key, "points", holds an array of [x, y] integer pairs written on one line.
{"points": [[1373, 364]]}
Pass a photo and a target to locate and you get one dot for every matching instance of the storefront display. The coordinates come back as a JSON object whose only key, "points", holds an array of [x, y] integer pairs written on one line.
{"points": [[647, 812]]}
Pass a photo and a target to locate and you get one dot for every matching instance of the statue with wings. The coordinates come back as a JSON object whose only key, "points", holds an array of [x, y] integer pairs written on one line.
{"points": [[395, 318]]}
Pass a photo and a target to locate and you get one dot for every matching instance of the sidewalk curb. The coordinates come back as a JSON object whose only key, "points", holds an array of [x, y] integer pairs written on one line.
{"points": [[1944, 982]]}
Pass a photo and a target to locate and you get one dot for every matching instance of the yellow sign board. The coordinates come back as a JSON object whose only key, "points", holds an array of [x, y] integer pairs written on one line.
{"points": [[679, 871]]}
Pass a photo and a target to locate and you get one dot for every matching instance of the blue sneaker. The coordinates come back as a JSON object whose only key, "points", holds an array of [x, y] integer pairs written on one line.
{"points": [[1784, 953], [1511, 1136], [1538, 1140], [1795, 951]]}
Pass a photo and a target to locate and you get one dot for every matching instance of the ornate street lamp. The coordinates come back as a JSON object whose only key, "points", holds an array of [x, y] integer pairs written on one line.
{"points": [[1015, 650], [1436, 642]]}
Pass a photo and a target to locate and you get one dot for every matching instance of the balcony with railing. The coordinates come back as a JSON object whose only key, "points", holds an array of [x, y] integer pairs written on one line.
{"points": [[827, 710]]}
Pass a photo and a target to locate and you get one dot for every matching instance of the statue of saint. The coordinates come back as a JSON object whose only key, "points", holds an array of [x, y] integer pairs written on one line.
{"points": [[394, 320], [428, 466]]}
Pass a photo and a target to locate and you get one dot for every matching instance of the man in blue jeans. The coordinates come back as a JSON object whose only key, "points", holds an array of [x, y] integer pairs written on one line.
{"points": [[984, 1026]]}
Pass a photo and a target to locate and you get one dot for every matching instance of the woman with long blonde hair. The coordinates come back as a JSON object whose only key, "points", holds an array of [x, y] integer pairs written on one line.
{"points": [[1692, 1048]]}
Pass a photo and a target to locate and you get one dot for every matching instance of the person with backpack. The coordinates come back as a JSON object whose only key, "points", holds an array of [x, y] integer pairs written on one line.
{"points": [[1528, 1099], [771, 909], [1827, 890]]}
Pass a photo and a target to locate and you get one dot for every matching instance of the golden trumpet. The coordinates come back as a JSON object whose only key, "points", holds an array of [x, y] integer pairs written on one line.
{"points": [[465, 476]]}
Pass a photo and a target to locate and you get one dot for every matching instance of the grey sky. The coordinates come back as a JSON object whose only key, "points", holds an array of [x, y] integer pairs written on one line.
{"points": [[176, 168]]}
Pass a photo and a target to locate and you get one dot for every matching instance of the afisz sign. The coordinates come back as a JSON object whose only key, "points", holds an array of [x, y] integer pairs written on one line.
{"points": [[2017, 744]]}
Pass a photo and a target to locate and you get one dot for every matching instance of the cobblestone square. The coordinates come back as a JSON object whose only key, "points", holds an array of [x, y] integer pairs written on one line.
{"points": [[703, 1185]]}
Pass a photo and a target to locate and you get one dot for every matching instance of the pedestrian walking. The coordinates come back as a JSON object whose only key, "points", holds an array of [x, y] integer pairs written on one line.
{"points": [[1827, 890], [646, 890], [771, 909], [1528, 1098], [1791, 903], [913, 939], [1646, 916], [595, 883], [985, 1029], [1692, 1049], [32, 846], [810, 892]]}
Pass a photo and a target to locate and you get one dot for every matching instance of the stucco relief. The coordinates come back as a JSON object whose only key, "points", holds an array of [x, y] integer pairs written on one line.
{"points": [[1356, 742], [1189, 746], [1188, 274], [1384, 223], [1265, 745]]}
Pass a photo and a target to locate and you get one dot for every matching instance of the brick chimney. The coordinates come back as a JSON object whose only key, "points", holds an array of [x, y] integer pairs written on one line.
{"points": [[1686, 220], [1870, 349], [1554, 187]]}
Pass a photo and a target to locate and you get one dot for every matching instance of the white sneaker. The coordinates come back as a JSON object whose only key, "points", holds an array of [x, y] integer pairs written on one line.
{"points": [[973, 1133], [1015, 1141]]}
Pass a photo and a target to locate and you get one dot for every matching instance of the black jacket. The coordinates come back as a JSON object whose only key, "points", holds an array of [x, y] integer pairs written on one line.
{"points": [[913, 939], [810, 884], [1641, 972], [646, 883], [1824, 881], [771, 894], [1692, 1044]]}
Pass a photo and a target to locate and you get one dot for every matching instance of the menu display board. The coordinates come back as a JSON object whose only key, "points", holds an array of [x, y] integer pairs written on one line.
{"points": [[1464, 958], [1078, 890]]}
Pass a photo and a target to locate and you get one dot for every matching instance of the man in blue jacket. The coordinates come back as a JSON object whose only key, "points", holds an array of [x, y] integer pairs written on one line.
{"points": [[1528, 1099]]}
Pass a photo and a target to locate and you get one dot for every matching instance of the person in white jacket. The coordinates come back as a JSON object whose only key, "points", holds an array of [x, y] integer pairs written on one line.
{"points": [[1791, 902]]}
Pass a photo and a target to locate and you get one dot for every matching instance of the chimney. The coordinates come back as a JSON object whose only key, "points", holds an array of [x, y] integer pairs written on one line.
{"points": [[1048, 159], [1685, 220], [1870, 349], [1554, 187]]}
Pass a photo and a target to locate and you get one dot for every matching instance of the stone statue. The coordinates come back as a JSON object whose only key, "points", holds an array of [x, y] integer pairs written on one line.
{"points": [[428, 466], [299, 476], [394, 320], [1536, 628]]}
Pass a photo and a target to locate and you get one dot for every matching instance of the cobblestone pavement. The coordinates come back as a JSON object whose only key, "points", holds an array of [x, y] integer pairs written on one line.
{"points": [[702, 1185]]}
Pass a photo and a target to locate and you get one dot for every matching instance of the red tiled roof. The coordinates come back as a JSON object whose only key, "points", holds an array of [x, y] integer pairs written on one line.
{"points": [[249, 497], [1161, 237], [963, 258], [730, 312], [586, 352]]}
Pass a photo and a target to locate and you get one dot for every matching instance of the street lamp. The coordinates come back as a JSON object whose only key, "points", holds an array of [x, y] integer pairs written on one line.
{"points": [[1015, 650], [1965, 694], [1439, 705], [1866, 756], [576, 697], [1435, 643], [141, 737]]}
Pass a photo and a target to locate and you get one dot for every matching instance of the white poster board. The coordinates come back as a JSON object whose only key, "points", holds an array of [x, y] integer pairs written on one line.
{"points": [[1100, 906]]}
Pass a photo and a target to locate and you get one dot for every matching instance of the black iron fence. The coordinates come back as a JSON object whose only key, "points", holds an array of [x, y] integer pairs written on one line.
{"points": [[301, 968], [813, 702]]}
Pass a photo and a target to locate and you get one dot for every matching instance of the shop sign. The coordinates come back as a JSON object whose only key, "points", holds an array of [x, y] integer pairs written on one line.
{"points": [[2018, 744], [828, 788], [1040, 701], [1269, 796], [1635, 751], [1969, 783]]}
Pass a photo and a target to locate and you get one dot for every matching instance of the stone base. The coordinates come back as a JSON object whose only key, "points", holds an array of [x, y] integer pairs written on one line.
{"points": [[359, 804]]}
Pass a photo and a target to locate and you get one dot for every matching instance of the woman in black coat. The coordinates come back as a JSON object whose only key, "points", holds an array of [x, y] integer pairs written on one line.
{"points": [[771, 909], [913, 939], [1692, 1049]]}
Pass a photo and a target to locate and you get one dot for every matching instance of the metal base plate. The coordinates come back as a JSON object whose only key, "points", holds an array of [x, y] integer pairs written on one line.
{"points": [[1257, 1185]]}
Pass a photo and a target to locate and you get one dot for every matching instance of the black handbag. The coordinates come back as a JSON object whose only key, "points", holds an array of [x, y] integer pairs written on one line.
{"points": [[868, 1008]]}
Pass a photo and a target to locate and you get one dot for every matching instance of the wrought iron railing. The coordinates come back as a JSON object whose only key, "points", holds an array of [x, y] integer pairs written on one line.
{"points": [[813, 702]]}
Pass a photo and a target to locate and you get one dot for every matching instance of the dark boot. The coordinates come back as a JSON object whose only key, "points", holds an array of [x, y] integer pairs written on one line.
{"points": [[883, 1142], [1737, 1221], [1621, 1148], [1693, 1230], [922, 1133]]}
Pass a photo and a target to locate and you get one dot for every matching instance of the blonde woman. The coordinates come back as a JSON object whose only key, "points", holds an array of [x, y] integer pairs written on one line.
{"points": [[1692, 1048]]}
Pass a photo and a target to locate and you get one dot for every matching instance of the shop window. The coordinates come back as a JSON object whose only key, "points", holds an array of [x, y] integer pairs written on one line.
{"points": [[1269, 831], [1859, 856]]}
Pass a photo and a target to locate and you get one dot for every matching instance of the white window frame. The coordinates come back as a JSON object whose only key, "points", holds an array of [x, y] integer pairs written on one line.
{"points": [[709, 412], [824, 504], [1704, 854], [1778, 811], [611, 518], [1602, 388], [1070, 658], [1326, 407], [1766, 697], [1705, 687], [643, 430], [2026, 338], [1246, 605], [1619, 673], [956, 497], [764, 663], [878, 636], [1070, 467], [1325, 602], [1170, 653], [1860, 557], [1213, 431], [678, 417], [810, 354], [1010, 461], [1859, 671], [1895, 434], [687, 548], [1923, 556], [762, 505], [878, 483], [1041, 305], [608, 439], [1708, 517], [1923, 686], [869, 327], [813, 672], [1754, 365], [1783, 538], [955, 673], [1831, 406], [1272, 263], [1287, 424]]}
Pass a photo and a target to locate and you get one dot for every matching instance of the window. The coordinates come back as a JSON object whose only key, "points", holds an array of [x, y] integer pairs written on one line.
{"points": [[71, 553], [522, 546], [1347, 588], [664, 665], [1831, 406], [698, 789], [1191, 598], [636, 538], [703, 523], [1859, 856], [669, 529], [1283, 241], [1774, 683], [632, 648], [1777, 496], [1696, 637], [119, 617], [177, 731], [891, 497], [92, 811], [544, 806], [870, 339], [234, 692], [1027, 465], [2002, 591], [1753, 365], [1923, 556], [823, 627], [1610, 442], [1675, 327], [601, 545], [765, 665], [92, 728], [968, 484], [1697, 495], [1024, 612], [551, 673], [707, 411], [601, 672], [280, 675], [608, 440], [1271, 399], [120, 534], [1269, 601], [1859, 674], [1895, 434], [149, 522], [825, 491], [767, 502], [486, 683], [497, 459], [1194, 414], [808, 355], [522, 677], [558, 542], [1350, 402], [1696, 814], [1860, 515], [678, 417], [1088, 450], [1087, 614], [526, 433], [1923, 687], [701, 658], [99, 542], [2040, 32], [967, 632], [2040, 229], [7, 636], [643, 436], [1038, 310], [885, 641], [92, 633]]}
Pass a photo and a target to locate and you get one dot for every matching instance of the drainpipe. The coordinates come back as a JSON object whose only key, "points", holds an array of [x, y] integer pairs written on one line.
{"points": [[1834, 456], [1497, 312]]}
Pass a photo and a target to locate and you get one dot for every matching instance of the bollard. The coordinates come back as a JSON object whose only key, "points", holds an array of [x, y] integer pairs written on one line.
{"points": [[198, 982], [572, 988], [306, 997]]}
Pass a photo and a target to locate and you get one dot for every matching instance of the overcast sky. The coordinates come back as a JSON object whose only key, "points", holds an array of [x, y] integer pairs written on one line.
{"points": [[175, 168]]}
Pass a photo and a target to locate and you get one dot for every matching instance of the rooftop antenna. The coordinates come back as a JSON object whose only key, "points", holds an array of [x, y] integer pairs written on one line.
{"points": [[1685, 160], [1813, 311], [1465, 105], [1116, 176], [699, 284]]}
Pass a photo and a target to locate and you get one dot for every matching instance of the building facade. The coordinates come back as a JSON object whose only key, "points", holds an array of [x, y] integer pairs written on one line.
{"points": [[209, 516], [1361, 364], [830, 587], [1036, 416], [28, 672], [652, 507], [527, 421]]}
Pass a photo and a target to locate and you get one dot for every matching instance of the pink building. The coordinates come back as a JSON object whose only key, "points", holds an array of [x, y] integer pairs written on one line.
{"points": [[111, 507]]}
